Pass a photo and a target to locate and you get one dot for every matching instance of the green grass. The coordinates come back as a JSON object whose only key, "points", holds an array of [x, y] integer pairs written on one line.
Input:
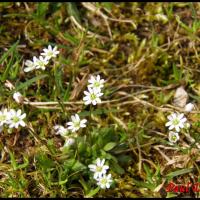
{"points": [[143, 60]]}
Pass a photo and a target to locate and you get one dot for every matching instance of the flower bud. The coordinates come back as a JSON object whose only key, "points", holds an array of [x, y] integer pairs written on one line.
{"points": [[189, 107], [18, 97]]}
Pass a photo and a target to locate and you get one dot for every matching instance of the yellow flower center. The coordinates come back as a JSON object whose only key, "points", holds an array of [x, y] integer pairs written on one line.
{"points": [[96, 84], [98, 169], [176, 121], [103, 181], [77, 124], [50, 53], [2, 117], [15, 119], [93, 96]]}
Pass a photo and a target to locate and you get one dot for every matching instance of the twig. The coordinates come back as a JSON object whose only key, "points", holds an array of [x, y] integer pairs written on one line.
{"points": [[167, 108], [163, 155], [97, 11], [83, 29]]}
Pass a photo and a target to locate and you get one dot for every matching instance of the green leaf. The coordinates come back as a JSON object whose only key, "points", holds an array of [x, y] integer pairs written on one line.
{"points": [[42, 9], [73, 11], [187, 28], [78, 166], [117, 168], [84, 184], [29, 82], [13, 162], [144, 185], [92, 192], [124, 159], [60, 182], [109, 146], [6, 54], [4, 57], [179, 172], [171, 195], [44, 162], [108, 5], [148, 172], [195, 97], [67, 92], [24, 165], [74, 165], [177, 73]]}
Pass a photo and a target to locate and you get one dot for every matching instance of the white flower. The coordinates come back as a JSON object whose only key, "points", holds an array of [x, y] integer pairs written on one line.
{"points": [[173, 137], [41, 62], [18, 97], [30, 65], [99, 168], [187, 125], [69, 141], [96, 83], [76, 123], [61, 130], [16, 118], [176, 121], [189, 107], [4, 117], [50, 52], [92, 96], [104, 181]]}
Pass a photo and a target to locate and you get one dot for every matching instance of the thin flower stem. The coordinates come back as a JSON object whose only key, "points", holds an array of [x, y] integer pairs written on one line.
{"points": [[91, 109]]}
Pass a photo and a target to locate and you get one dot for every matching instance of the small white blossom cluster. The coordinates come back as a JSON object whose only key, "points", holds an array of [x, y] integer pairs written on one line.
{"points": [[100, 170], [11, 118], [176, 121], [64, 132], [92, 96], [43, 60], [73, 126]]}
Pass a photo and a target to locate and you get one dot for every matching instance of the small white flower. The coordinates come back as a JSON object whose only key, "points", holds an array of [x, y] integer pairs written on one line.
{"points": [[96, 82], [176, 121], [41, 62], [187, 125], [50, 52], [92, 96], [76, 123], [17, 96], [104, 181], [16, 118], [69, 141], [61, 130], [4, 116], [189, 107], [173, 137], [30, 65], [99, 168]]}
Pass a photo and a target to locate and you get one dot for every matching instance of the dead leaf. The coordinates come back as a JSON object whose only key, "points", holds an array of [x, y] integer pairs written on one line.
{"points": [[180, 97]]}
